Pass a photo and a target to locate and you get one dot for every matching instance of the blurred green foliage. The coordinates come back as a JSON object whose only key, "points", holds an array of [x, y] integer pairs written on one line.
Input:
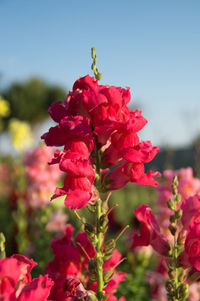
{"points": [[30, 100]]}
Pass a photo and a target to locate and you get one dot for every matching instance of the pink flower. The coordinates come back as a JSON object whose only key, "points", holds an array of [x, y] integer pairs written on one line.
{"points": [[79, 191], [96, 118], [57, 222], [86, 245], [190, 257], [128, 172], [16, 283], [41, 177], [149, 231], [69, 265], [38, 289], [191, 211], [188, 186]]}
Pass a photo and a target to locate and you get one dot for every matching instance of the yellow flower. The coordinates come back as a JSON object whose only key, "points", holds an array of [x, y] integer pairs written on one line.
{"points": [[4, 107], [20, 133]]}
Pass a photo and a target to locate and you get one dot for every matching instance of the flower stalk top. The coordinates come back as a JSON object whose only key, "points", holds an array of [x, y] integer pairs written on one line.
{"points": [[95, 119]]}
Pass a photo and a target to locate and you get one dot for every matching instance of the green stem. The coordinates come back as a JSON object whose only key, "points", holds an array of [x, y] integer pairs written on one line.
{"points": [[175, 262], [99, 259], [99, 234]]}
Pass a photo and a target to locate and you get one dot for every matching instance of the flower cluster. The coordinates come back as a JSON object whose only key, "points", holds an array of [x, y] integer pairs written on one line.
{"points": [[73, 260], [188, 186], [181, 228], [41, 177], [95, 125], [20, 134], [16, 283], [4, 107], [150, 233]]}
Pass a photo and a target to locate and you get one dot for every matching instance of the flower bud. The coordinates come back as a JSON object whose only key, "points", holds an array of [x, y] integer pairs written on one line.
{"points": [[171, 205], [178, 198], [194, 276], [108, 275], [98, 75], [103, 220], [181, 240], [92, 266], [171, 273], [107, 256], [174, 189], [109, 246], [172, 219], [89, 229], [91, 208], [172, 229], [183, 291], [178, 213], [170, 285], [175, 180], [181, 276], [100, 261], [91, 296]]}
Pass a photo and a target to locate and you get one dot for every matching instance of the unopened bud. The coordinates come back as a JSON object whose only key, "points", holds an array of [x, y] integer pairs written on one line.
{"points": [[98, 76], [89, 229], [103, 220], [172, 219], [109, 246], [171, 273], [178, 213], [107, 256], [172, 229], [170, 285], [93, 52], [91, 296], [92, 266], [181, 240], [99, 261], [181, 276], [175, 180], [91, 208], [178, 198], [108, 275], [171, 205], [195, 276], [183, 291], [174, 189]]}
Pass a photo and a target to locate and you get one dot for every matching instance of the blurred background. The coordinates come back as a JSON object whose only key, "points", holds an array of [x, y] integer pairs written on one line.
{"points": [[153, 47]]}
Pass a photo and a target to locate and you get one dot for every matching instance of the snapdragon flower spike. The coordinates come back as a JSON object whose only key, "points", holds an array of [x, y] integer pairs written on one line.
{"points": [[190, 257], [149, 232], [96, 118]]}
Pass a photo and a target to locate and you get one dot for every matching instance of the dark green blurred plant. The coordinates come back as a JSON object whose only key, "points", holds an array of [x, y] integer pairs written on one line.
{"points": [[30, 100], [135, 287]]}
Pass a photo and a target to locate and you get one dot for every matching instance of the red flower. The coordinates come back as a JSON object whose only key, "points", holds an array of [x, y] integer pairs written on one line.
{"points": [[149, 231], [97, 113], [129, 172], [38, 289], [85, 245], [191, 211], [16, 283], [191, 254]]}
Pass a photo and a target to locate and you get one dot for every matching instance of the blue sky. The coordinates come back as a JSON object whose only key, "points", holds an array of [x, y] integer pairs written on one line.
{"points": [[151, 46]]}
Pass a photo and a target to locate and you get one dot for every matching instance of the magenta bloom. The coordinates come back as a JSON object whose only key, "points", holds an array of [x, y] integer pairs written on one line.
{"points": [[149, 232], [41, 177], [188, 186], [95, 118], [16, 283]]}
